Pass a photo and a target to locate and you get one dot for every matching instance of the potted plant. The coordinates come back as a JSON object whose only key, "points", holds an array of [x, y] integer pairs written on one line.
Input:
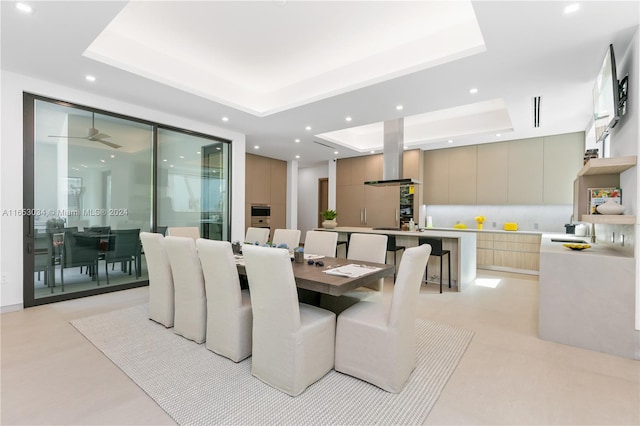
{"points": [[329, 217]]}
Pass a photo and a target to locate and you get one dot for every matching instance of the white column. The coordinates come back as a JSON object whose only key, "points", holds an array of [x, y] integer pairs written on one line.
{"points": [[292, 194], [332, 184]]}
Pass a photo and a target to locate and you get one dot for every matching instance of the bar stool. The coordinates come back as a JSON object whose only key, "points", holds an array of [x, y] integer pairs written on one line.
{"points": [[391, 246], [436, 250]]}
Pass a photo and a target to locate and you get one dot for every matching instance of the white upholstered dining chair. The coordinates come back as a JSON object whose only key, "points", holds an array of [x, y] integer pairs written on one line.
{"points": [[190, 319], [323, 243], [256, 235], [161, 292], [290, 237], [229, 318], [367, 248], [389, 332], [192, 232], [293, 343]]}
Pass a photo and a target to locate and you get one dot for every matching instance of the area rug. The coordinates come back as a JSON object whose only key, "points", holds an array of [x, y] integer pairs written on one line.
{"points": [[197, 387]]}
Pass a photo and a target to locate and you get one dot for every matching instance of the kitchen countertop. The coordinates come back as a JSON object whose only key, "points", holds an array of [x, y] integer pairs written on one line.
{"points": [[597, 249]]}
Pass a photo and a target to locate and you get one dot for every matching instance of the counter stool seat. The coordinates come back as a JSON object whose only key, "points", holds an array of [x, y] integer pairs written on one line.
{"points": [[436, 250]]}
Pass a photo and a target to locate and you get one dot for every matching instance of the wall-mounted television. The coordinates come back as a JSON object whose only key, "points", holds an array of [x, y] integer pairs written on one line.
{"points": [[609, 97]]}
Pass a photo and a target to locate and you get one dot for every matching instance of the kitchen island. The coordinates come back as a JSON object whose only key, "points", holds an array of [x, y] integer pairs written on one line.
{"points": [[461, 244], [587, 298]]}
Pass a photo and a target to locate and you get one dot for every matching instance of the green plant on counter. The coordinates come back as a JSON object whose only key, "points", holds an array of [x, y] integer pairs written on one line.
{"points": [[329, 214]]}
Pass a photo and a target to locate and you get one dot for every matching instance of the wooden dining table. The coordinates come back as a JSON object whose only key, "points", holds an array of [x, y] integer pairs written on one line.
{"points": [[312, 277]]}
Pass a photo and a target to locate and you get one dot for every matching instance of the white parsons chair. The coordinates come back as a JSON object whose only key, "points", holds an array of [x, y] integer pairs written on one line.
{"points": [[290, 237], [184, 231], [257, 235], [293, 343], [161, 292], [367, 248], [229, 318], [190, 319], [323, 243], [389, 332]]}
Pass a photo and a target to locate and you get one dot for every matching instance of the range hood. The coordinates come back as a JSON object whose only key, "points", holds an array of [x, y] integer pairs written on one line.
{"points": [[392, 156]]}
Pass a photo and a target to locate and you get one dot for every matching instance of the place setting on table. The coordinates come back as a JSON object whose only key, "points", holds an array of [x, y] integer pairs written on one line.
{"points": [[329, 275]]}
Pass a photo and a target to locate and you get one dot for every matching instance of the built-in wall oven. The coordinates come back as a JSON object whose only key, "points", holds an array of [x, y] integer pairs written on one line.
{"points": [[260, 215]]}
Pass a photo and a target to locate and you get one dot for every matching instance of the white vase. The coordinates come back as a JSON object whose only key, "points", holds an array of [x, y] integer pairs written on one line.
{"points": [[610, 207], [329, 224]]}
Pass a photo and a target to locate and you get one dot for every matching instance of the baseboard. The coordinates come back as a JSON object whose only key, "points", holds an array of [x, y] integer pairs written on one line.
{"points": [[11, 308]]}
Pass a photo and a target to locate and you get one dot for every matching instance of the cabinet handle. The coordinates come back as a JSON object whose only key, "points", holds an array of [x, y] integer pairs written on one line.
{"points": [[365, 215], [361, 216], [396, 217]]}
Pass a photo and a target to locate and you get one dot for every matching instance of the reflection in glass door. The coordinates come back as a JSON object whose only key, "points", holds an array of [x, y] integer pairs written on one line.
{"points": [[193, 182], [91, 198]]}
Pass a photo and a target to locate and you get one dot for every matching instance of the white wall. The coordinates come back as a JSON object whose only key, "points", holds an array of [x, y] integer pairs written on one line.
{"points": [[308, 209], [625, 139], [13, 85]]}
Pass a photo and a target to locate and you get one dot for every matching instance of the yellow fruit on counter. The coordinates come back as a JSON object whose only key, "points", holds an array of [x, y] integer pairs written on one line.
{"points": [[460, 226]]}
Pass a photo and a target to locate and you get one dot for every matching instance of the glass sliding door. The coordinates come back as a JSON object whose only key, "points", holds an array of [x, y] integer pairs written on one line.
{"points": [[193, 182], [91, 178]]}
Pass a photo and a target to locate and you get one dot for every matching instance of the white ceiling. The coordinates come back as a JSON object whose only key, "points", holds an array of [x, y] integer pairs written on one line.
{"points": [[279, 66]]}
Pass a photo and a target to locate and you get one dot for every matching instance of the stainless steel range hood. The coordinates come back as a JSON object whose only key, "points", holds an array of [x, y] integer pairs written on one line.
{"points": [[392, 155]]}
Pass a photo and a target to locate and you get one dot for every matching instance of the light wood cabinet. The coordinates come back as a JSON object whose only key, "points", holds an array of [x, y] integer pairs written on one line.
{"points": [[266, 183], [278, 178], [258, 179], [372, 167], [350, 171], [435, 183], [562, 161], [350, 205], [382, 204], [463, 164], [525, 171], [493, 173], [509, 252], [411, 167]]}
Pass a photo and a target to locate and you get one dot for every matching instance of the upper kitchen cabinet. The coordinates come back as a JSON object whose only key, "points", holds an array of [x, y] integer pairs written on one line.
{"points": [[493, 173], [278, 177], [525, 183], [350, 171], [563, 159], [372, 167], [411, 167], [463, 163], [435, 182], [258, 179]]}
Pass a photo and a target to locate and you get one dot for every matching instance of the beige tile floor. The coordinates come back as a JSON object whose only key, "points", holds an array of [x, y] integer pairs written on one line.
{"points": [[52, 375]]}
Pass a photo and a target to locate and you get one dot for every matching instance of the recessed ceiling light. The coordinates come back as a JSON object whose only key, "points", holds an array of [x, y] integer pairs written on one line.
{"points": [[308, 128], [450, 141], [218, 148], [225, 118], [297, 141], [498, 134], [90, 78], [373, 151], [165, 160], [23, 7], [335, 152], [297, 156], [399, 107], [574, 7], [348, 118], [256, 147], [198, 152], [83, 165], [102, 161], [112, 156], [171, 165], [473, 91], [182, 156]]}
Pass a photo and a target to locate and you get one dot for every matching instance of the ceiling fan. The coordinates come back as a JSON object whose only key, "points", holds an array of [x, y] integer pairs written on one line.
{"points": [[93, 135]]}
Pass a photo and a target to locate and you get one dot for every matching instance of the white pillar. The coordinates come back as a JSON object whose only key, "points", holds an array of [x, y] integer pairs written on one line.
{"points": [[292, 194]]}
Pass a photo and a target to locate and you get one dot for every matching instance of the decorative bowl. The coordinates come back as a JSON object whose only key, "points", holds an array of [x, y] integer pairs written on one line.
{"points": [[610, 207], [577, 246]]}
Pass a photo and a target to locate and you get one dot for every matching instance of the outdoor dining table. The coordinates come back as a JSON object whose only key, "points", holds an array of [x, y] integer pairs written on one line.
{"points": [[314, 277]]}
